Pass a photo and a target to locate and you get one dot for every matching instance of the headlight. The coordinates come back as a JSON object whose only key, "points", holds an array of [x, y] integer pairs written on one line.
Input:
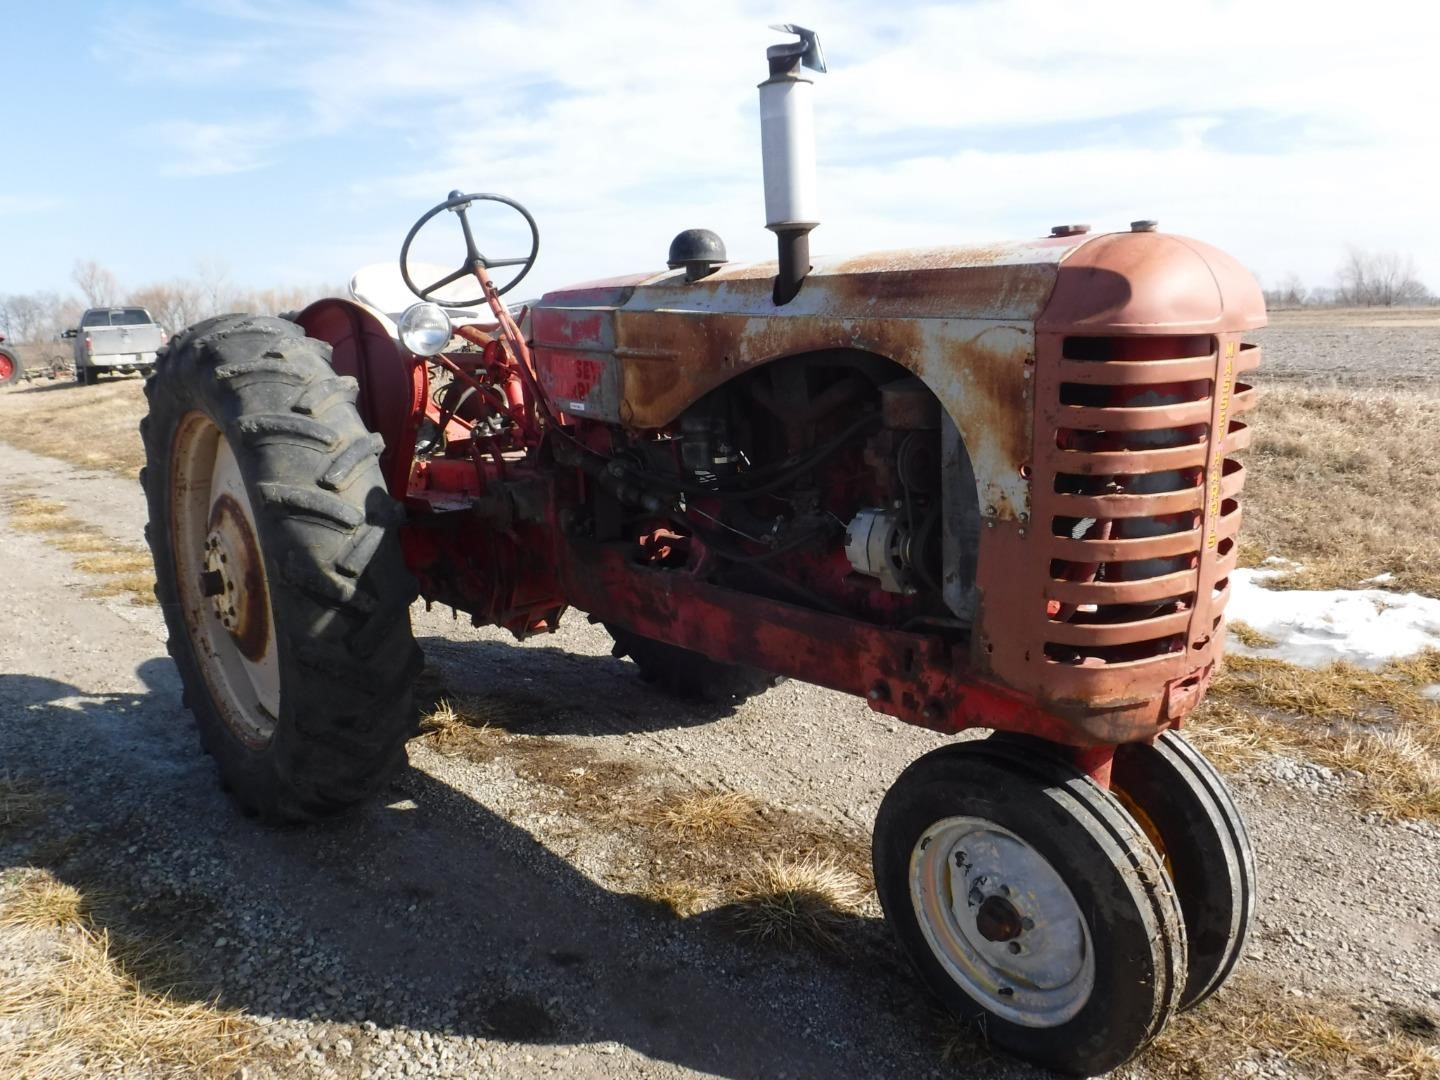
{"points": [[425, 329]]}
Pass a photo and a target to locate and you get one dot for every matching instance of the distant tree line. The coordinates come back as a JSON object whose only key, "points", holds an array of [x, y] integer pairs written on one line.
{"points": [[175, 304], [1365, 279]]}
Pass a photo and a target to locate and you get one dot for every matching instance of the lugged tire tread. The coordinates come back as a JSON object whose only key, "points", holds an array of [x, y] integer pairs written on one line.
{"points": [[336, 572], [346, 465], [288, 427], [319, 397]]}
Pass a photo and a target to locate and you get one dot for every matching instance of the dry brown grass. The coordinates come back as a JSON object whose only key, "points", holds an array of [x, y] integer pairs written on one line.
{"points": [[77, 1011], [45, 418], [682, 898], [1248, 1022], [1372, 722], [41, 901], [1346, 483], [704, 815], [792, 900], [122, 570], [116, 562], [1248, 636], [699, 849]]}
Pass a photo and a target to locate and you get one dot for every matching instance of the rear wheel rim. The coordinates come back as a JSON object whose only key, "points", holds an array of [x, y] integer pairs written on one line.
{"points": [[221, 580], [1002, 922], [7, 368]]}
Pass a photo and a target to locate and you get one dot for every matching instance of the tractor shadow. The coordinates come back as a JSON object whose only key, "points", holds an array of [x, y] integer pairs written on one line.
{"points": [[544, 690], [427, 910]]}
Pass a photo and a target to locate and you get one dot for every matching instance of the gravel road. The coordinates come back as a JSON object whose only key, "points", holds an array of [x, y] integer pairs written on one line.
{"points": [[467, 923]]}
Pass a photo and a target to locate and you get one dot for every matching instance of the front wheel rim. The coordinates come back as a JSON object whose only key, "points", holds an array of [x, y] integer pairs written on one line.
{"points": [[1002, 922], [220, 577]]}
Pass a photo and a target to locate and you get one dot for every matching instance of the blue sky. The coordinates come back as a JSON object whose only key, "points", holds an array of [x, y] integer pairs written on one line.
{"points": [[294, 141]]}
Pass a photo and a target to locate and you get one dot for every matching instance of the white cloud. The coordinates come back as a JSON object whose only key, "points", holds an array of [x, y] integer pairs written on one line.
{"points": [[194, 148], [25, 204], [1282, 131]]}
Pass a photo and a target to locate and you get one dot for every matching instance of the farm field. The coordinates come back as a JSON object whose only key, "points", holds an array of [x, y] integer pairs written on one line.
{"points": [[577, 874]]}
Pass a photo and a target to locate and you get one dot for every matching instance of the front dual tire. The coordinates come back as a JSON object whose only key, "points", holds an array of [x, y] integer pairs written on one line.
{"points": [[1069, 922]]}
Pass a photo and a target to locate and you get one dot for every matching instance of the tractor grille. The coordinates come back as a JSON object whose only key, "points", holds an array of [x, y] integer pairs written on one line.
{"points": [[1136, 493]]}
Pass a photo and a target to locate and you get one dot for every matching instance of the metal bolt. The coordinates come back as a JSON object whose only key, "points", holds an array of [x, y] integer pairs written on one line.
{"points": [[1014, 947], [1069, 230], [1144, 225]]}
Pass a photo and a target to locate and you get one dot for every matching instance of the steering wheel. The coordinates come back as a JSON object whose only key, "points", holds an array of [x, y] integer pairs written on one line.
{"points": [[460, 203]]}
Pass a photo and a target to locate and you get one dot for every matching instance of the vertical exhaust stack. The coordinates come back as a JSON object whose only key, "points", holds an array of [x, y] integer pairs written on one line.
{"points": [[787, 147]]}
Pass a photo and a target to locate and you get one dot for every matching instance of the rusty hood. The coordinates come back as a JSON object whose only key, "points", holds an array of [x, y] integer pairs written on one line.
{"points": [[639, 350]]}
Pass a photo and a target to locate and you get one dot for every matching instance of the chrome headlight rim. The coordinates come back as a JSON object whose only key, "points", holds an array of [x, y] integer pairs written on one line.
{"points": [[425, 329]]}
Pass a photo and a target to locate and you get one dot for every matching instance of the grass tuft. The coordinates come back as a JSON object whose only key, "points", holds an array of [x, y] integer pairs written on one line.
{"points": [[683, 898], [704, 815], [791, 900], [1248, 636], [116, 562], [41, 901]]}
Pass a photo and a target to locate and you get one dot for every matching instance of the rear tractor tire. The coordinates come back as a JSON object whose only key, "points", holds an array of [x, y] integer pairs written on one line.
{"points": [[278, 567], [688, 674], [10, 367], [1031, 903]]}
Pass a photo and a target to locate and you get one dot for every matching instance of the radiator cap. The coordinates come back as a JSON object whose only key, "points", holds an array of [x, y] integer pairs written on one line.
{"points": [[1069, 230], [1144, 225]]}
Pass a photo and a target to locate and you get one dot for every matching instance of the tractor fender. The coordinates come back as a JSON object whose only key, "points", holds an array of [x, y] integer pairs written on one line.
{"points": [[392, 384]]}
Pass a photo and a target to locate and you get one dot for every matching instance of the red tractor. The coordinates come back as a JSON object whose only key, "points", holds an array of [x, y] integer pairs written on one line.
{"points": [[981, 487], [10, 366]]}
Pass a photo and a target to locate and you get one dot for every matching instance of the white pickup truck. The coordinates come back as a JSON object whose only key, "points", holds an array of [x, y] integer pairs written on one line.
{"points": [[115, 339]]}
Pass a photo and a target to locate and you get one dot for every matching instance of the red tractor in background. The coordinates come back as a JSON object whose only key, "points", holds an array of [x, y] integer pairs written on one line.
{"points": [[10, 366], [986, 487]]}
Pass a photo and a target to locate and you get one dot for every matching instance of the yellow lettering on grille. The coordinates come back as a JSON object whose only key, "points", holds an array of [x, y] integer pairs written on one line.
{"points": [[1217, 435]]}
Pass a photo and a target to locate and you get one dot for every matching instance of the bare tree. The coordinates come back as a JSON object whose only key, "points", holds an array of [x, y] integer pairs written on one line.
{"points": [[217, 292], [97, 284], [28, 317], [1290, 293], [1380, 279], [174, 306], [276, 301]]}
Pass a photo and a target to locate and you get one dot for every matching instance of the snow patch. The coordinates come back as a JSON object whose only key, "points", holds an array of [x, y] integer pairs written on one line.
{"points": [[1431, 692], [1317, 627]]}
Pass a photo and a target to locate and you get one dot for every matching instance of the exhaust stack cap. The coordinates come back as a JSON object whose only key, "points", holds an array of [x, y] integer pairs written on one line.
{"points": [[1144, 225], [787, 59], [1069, 230]]}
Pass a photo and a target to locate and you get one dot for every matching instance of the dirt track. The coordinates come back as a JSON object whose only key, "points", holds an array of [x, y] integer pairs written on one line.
{"points": [[473, 923]]}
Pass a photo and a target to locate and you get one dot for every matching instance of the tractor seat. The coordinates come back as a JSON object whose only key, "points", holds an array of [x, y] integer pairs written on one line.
{"points": [[380, 288]]}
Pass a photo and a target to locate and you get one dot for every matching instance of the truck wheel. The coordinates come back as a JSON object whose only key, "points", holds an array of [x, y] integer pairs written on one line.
{"points": [[1030, 902], [9, 367], [1187, 811], [278, 567], [688, 674]]}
